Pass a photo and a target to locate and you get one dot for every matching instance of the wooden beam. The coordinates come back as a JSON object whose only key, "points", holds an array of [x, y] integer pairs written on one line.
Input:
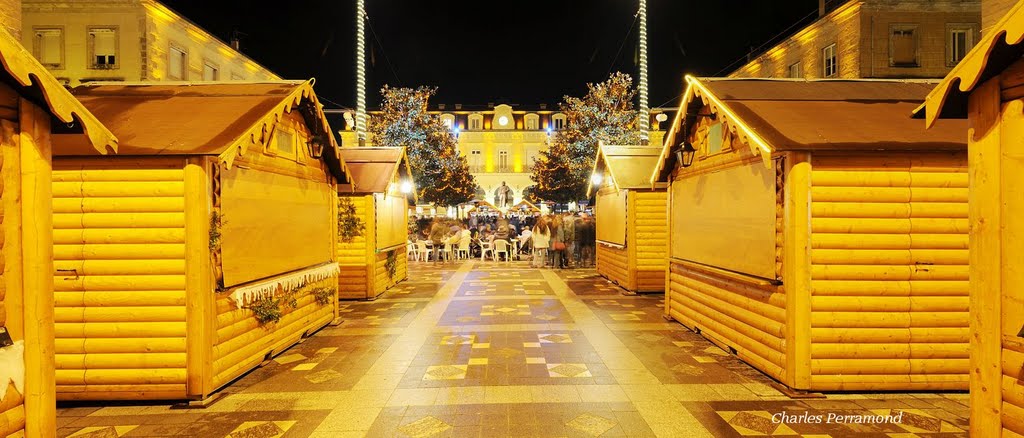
{"points": [[199, 283], [37, 269], [796, 267], [985, 247]]}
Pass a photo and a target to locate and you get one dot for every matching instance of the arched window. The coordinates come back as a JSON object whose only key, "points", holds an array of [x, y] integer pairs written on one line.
{"points": [[532, 122], [476, 122], [558, 121]]}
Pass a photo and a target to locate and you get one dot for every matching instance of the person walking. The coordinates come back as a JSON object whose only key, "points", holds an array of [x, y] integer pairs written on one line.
{"points": [[541, 237], [557, 242], [569, 233], [437, 232]]}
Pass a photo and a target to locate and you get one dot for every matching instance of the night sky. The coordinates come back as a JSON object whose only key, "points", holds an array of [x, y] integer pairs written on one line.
{"points": [[532, 51]]}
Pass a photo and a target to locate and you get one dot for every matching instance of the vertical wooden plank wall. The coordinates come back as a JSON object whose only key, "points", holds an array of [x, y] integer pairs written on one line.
{"points": [[1011, 303], [12, 403], [353, 257], [648, 232], [119, 255], [889, 272]]}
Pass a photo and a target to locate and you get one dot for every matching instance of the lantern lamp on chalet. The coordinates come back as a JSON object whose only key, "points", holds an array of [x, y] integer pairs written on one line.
{"points": [[406, 187], [596, 179], [316, 146], [685, 154]]}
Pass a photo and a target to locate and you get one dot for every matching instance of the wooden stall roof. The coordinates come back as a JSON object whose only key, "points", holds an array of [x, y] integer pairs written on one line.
{"points": [[526, 205], [1000, 47], [477, 203], [785, 114], [25, 72], [208, 118], [629, 166], [371, 169]]}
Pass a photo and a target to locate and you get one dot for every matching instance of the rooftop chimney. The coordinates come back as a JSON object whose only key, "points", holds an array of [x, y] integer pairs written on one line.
{"points": [[236, 44], [821, 8]]}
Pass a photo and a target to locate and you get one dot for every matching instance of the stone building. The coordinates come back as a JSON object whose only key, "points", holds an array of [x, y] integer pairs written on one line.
{"points": [[874, 39], [501, 141], [128, 40]]}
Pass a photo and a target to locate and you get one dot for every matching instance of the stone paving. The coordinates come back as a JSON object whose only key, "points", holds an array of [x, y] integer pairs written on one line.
{"points": [[490, 349]]}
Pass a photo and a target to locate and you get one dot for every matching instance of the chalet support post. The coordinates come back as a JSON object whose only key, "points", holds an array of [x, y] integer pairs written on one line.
{"points": [[984, 144], [199, 283], [796, 265], [37, 269]]}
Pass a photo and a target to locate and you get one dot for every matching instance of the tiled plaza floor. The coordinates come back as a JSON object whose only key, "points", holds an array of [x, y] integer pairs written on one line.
{"points": [[495, 349]]}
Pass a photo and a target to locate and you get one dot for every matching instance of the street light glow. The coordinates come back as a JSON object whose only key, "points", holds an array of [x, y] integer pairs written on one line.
{"points": [[406, 187]]}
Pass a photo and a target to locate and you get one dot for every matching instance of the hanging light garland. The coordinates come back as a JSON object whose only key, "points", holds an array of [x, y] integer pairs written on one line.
{"points": [[360, 74], [645, 112]]}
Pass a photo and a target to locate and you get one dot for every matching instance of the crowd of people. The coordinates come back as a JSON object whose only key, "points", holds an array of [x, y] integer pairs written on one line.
{"points": [[562, 240]]}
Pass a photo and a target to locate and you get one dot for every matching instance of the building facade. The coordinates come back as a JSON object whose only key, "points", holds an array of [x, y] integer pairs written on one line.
{"points": [[128, 40], [874, 39], [501, 142]]}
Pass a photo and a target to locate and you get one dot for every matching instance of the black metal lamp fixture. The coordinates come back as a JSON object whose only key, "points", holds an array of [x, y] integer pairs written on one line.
{"points": [[685, 154], [316, 146]]}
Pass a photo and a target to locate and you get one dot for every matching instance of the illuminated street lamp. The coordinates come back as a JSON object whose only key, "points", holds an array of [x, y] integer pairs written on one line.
{"points": [[596, 179], [406, 187]]}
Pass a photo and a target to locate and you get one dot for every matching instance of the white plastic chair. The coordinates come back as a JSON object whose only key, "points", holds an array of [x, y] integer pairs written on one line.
{"points": [[485, 247], [448, 251], [463, 250], [501, 247], [410, 249], [422, 252]]}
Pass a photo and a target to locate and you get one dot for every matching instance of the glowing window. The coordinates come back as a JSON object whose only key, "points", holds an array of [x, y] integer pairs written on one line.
{"points": [[794, 70], [830, 65]]}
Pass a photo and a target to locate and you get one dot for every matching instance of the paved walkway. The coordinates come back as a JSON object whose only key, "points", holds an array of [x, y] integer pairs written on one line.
{"points": [[492, 349]]}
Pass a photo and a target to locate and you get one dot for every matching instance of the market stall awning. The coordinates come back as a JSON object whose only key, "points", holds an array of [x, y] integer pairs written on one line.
{"points": [[629, 167], [23, 69], [373, 169], [783, 114], [209, 118], [999, 48]]}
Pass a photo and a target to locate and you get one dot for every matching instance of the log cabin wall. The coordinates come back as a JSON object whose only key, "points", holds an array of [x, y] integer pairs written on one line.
{"points": [[737, 311], [242, 342], [613, 264], [647, 232], [889, 271], [119, 256], [354, 280], [383, 280]]}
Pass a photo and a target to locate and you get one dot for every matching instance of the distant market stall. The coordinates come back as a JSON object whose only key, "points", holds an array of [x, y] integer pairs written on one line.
{"points": [[987, 87], [32, 104], [820, 232], [206, 247], [630, 214], [374, 261]]}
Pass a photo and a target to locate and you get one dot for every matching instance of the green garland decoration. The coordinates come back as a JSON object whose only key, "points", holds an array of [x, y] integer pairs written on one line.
{"points": [[391, 264], [350, 225]]}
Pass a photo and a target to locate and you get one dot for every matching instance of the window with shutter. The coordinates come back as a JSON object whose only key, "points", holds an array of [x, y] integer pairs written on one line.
{"points": [[903, 46], [103, 47]]}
